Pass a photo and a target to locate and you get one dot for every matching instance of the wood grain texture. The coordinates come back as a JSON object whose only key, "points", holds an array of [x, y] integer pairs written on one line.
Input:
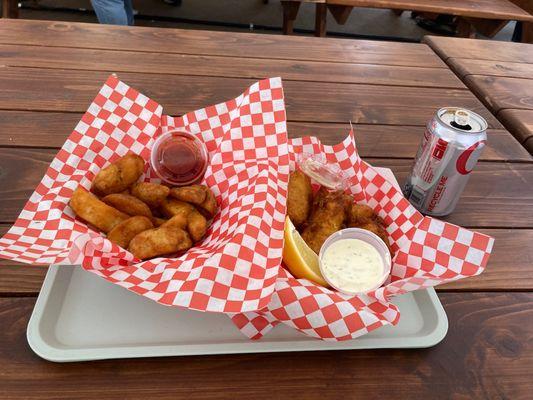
{"points": [[447, 47], [467, 66], [487, 9], [235, 67], [486, 354], [520, 122], [483, 204], [71, 91], [50, 130], [509, 268], [198, 42], [499, 93]]}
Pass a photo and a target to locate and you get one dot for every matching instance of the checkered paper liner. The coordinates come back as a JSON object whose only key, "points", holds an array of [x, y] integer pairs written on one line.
{"points": [[234, 269], [428, 252]]}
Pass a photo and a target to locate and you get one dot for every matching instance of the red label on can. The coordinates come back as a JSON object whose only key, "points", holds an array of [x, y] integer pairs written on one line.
{"points": [[440, 149], [463, 158]]}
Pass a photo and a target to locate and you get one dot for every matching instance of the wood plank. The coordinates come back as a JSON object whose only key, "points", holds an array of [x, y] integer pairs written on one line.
{"points": [[447, 47], [484, 203], [499, 93], [487, 353], [519, 122], [36, 89], [509, 268], [487, 9], [50, 130], [200, 42], [235, 67], [391, 141], [467, 66]]}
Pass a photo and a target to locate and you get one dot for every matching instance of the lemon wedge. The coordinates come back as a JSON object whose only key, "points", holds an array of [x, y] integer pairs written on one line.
{"points": [[298, 257]]}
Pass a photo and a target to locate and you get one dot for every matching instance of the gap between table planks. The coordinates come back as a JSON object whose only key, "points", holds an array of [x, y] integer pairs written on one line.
{"points": [[486, 354]]}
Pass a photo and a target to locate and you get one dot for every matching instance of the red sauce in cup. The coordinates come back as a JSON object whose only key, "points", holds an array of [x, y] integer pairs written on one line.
{"points": [[179, 158]]}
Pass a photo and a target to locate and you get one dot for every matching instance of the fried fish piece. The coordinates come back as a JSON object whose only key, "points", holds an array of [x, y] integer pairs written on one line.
{"points": [[159, 241], [118, 176], [194, 194], [171, 207], [209, 207], [196, 225], [91, 209], [379, 230], [127, 204], [358, 214], [123, 233], [327, 217], [150, 193], [299, 198]]}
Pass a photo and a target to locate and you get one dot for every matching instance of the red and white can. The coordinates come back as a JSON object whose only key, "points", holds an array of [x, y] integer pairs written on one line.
{"points": [[452, 143]]}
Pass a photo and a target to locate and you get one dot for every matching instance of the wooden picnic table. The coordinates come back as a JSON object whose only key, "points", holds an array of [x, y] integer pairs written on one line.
{"points": [[49, 74], [500, 74]]}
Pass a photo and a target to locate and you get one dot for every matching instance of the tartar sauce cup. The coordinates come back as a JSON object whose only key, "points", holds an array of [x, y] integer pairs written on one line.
{"points": [[347, 265]]}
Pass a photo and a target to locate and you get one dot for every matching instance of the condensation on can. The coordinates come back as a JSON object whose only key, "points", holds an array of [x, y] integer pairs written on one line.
{"points": [[451, 145]]}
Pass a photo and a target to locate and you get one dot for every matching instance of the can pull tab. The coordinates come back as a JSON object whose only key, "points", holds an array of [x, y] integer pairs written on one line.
{"points": [[461, 120]]}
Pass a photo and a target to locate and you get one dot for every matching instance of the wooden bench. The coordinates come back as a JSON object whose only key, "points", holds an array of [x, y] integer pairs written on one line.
{"points": [[500, 74], [484, 16]]}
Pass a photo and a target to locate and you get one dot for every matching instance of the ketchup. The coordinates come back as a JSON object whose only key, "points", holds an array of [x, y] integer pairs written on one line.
{"points": [[179, 158]]}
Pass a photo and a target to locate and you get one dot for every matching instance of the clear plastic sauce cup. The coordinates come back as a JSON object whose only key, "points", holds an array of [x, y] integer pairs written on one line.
{"points": [[179, 158], [352, 267]]}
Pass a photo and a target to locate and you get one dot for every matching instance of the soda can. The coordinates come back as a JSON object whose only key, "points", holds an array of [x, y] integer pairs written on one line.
{"points": [[452, 143]]}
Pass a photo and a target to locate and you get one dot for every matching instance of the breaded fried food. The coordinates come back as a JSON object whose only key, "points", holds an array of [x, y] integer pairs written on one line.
{"points": [[196, 225], [299, 198], [127, 204], [171, 207], [158, 221], [327, 217], [124, 232], [379, 230], [209, 207], [178, 221], [118, 176], [359, 214], [194, 194], [91, 209], [152, 194], [159, 241]]}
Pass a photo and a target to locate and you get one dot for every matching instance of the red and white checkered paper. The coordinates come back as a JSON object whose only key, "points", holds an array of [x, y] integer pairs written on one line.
{"points": [[428, 252], [237, 268], [234, 269]]}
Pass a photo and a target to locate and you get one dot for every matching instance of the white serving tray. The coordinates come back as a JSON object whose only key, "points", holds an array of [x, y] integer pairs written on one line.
{"points": [[79, 316]]}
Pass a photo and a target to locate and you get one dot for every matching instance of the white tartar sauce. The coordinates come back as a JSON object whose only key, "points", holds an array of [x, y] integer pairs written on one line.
{"points": [[352, 265]]}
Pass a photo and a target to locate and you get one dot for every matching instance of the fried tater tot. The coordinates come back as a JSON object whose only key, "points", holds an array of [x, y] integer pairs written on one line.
{"points": [[209, 207], [88, 207], [194, 194], [159, 241], [152, 194], [178, 221], [196, 225], [128, 229], [327, 217], [158, 221], [299, 198], [127, 204], [118, 176], [171, 207]]}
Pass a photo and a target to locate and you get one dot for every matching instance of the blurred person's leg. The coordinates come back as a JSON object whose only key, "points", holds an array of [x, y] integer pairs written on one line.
{"points": [[114, 12]]}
